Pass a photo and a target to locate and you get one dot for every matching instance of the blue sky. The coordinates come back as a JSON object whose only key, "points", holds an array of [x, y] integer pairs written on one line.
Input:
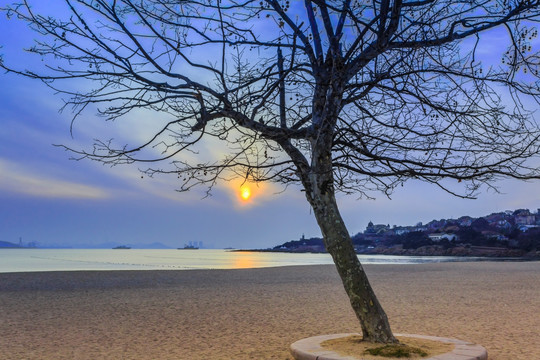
{"points": [[47, 198]]}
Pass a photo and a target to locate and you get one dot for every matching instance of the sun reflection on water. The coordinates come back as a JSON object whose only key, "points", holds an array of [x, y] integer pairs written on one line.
{"points": [[243, 260]]}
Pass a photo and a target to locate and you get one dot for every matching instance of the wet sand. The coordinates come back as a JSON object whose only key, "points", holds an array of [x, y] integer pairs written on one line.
{"points": [[258, 313]]}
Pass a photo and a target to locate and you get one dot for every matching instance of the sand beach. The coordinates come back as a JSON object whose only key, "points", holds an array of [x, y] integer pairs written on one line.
{"points": [[258, 313]]}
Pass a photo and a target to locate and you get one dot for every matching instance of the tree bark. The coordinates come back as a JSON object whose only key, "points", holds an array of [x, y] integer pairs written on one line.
{"points": [[338, 243]]}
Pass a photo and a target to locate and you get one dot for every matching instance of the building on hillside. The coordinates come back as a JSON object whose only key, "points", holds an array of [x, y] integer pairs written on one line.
{"points": [[524, 228], [419, 227], [400, 230], [525, 218], [376, 229], [503, 224], [436, 237], [494, 218]]}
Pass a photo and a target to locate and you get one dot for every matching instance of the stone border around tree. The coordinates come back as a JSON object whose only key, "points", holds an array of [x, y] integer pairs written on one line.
{"points": [[311, 349]]}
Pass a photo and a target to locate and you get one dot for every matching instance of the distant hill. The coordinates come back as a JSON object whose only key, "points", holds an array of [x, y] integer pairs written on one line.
{"points": [[511, 233], [5, 244]]}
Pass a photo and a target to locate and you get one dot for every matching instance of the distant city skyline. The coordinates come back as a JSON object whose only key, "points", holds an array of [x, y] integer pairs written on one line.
{"points": [[49, 199]]}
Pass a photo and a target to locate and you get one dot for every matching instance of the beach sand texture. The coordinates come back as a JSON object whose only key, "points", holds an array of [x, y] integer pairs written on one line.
{"points": [[258, 313]]}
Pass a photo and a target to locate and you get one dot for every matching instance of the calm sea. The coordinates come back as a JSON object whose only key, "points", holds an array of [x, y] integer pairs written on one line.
{"points": [[24, 260]]}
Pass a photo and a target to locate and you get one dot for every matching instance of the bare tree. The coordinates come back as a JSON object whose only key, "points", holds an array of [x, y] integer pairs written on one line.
{"points": [[351, 95]]}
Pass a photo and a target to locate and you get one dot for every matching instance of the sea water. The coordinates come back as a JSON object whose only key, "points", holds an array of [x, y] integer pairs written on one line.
{"points": [[26, 260]]}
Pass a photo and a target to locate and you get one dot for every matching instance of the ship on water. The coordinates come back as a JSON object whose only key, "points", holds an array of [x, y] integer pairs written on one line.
{"points": [[192, 245], [189, 247]]}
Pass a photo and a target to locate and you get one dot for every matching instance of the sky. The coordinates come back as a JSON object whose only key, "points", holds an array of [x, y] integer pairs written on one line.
{"points": [[47, 198]]}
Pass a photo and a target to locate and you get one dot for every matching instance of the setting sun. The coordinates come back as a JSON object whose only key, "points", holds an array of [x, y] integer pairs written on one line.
{"points": [[245, 193]]}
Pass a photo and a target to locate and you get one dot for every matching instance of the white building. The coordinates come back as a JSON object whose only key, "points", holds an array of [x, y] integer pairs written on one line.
{"points": [[436, 237]]}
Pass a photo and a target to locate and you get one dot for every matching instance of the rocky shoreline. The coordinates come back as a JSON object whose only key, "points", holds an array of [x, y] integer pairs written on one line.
{"points": [[466, 251], [432, 250]]}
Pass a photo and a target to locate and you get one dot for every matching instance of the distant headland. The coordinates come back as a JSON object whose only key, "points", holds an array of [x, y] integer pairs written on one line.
{"points": [[10, 245], [504, 234]]}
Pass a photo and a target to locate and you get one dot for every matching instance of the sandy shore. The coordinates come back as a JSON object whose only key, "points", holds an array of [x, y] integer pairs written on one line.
{"points": [[258, 313]]}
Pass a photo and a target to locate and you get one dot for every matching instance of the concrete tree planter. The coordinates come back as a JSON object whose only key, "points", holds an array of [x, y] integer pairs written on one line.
{"points": [[311, 349]]}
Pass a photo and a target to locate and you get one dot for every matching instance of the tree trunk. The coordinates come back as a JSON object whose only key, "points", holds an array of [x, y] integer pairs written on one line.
{"points": [[373, 319]]}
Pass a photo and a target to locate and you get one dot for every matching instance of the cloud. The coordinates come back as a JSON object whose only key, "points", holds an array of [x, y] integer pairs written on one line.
{"points": [[18, 179]]}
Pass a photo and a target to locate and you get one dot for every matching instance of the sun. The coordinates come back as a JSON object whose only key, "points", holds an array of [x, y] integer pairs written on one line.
{"points": [[245, 193]]}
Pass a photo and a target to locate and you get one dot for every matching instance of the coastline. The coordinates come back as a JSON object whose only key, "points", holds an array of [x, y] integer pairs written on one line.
{"points": [[469, 257], [37, 260], [488, 253], [258, 313]]}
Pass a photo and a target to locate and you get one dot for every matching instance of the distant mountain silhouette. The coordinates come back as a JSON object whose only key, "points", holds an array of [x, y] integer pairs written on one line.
{"points": [[5, 244], [112, 244]]}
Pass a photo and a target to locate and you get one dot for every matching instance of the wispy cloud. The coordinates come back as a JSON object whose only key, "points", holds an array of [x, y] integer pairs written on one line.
{"points": [[19, 179]]}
